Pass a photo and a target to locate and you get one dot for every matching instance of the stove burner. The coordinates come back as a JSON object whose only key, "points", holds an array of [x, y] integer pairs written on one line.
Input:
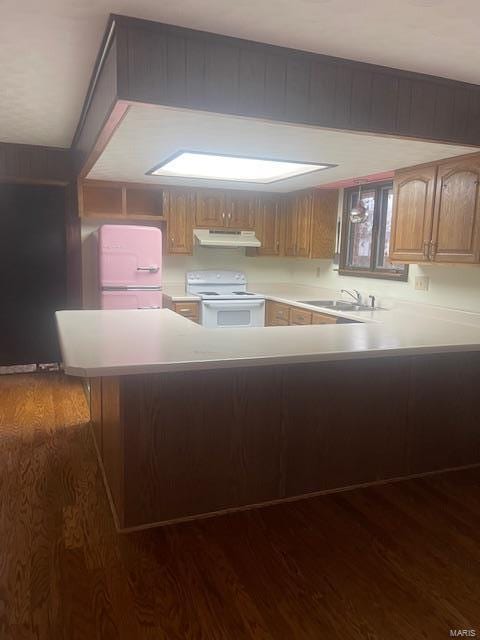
{"points": [[208, 293], [242, 293]]}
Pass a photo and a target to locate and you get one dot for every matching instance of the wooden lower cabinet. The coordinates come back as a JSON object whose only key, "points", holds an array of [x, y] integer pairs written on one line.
{"points": [[279, 314], [280, 432], [300, 316], [324, 318], [190, 310]]}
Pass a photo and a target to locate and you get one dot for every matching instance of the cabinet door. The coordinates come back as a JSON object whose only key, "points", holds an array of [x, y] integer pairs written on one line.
{"points": [[300, 316], [413, 194], [290, 224], [180, 207], [277, 314], [240, 209], [303, 206], [324, 222], [323, 318], [190, 310], [268, 216], [210, 211], [456, 225]]}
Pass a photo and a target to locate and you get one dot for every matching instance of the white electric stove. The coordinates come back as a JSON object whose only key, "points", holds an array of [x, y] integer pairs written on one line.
{"points": [[225, 299]]}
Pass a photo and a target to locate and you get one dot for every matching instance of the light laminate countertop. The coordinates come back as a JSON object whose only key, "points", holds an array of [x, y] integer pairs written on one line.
{"points": [[109, 343]]}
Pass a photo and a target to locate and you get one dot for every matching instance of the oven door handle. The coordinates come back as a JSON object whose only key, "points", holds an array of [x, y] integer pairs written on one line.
{"points": [[234, 303]]}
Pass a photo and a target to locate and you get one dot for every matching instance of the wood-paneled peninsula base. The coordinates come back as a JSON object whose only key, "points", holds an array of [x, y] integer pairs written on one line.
{"points": [[183, 445]]}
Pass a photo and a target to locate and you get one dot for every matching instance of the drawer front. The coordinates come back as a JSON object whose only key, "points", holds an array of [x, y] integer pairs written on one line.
{"points": [[323, 318], [277, 313], [278, 323], [300, 316], [189, 310]]}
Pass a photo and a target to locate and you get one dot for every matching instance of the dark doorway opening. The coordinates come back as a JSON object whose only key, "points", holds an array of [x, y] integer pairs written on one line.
{"points": [[33, 272]]}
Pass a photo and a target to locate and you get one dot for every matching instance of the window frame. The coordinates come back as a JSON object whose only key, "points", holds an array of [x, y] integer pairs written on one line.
{"points": [[378, 231]]}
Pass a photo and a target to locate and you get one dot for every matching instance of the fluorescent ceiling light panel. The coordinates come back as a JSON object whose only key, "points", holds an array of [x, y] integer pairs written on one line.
{"points": [[209, 166]]}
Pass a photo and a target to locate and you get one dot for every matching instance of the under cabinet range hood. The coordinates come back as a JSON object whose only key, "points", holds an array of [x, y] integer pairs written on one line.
{"points": [[226, 238]]}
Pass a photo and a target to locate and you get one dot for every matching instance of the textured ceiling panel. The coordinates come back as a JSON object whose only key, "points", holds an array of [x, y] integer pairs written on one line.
{"points": [[48, 47], [149, 135]]}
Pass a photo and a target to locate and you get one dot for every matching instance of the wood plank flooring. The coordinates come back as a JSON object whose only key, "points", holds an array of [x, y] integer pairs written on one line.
{"points": [[395, 562]]}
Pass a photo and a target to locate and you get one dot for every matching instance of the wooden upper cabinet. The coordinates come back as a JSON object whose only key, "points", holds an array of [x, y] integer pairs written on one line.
{"points": [[324, 222], [240, 211], [269, 213], [298, 224], [180, 208], [413, 197], [110, 200], [304, 206], [456, 224], [211, 209]]}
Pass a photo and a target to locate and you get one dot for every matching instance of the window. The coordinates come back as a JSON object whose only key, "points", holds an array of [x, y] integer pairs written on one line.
{"points": [[365, 245]]}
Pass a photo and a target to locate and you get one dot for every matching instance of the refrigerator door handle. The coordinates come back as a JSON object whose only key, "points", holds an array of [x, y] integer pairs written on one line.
{"points": [[152, 269]]}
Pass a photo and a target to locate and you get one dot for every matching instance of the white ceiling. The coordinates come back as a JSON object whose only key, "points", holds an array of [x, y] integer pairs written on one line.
{"points": [[48, 47], [149, 135]]}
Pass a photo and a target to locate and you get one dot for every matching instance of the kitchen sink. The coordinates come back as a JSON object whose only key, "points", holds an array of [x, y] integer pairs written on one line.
{"points": [[338, 305]]}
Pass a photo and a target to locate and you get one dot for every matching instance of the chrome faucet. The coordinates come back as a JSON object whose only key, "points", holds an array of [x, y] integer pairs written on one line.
{"points": [[356, 296]]}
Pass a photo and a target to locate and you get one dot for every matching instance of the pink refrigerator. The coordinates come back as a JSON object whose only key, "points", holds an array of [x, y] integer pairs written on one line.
{"points": [[130, 267]]}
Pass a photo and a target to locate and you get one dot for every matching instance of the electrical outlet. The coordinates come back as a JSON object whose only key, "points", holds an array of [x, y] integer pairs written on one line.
{"points": [[318, 272], [421, 283]]}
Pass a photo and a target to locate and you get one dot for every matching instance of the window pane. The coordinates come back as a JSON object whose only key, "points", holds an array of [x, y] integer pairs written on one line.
{"points": [[360, 234], [385, 228]]}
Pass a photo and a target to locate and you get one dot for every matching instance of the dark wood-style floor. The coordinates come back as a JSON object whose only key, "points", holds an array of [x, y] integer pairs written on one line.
{"points": [[389, 563]]}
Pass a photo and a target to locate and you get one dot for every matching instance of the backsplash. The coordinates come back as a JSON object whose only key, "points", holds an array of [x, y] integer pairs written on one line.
{"points": [[455, 287], [256, 269]]}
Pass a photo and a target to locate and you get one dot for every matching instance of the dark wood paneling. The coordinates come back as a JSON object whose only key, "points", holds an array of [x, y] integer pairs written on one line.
{"points": [[98, 105], [113, 444], [343, 96], [196, 456], [423, 99], [150, 62], [35, 165], [256, 435], [96, 411], [444, 412], [345, 423], [231, 75], [73, 248], [251, 81], [444, 105], [383, 106], [297, 88], [322, 91], [361, 99], [275, 86]]}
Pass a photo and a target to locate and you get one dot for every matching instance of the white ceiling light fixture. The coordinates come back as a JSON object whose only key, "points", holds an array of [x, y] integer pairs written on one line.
{"points": [[215, 166]]}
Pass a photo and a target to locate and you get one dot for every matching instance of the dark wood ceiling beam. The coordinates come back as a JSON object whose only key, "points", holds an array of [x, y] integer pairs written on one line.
{"points": [[154, 63]]}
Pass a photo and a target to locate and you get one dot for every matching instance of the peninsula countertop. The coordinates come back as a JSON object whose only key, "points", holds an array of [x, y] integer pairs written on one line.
{"points": [[110, 343]]}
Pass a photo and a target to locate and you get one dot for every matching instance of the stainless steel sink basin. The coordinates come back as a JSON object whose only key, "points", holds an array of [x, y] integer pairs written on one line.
{"points": [[339, 305]]}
